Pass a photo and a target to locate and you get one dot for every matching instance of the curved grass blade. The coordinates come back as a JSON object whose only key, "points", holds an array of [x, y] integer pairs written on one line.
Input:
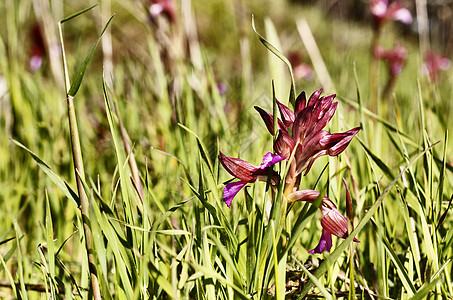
{"points": [[81, 72], [60, 183], [292, 95], [404, 277], [315, 280], [378, 161], [77, 14], [201, 147]]}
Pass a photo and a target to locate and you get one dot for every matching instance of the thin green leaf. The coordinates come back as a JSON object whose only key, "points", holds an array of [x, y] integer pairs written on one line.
{"points": [[81, 71], [316, 282], [10, 277], [384, 168], [201, 147], [50, 238], [404, 277], [292, 96], [60, 183], [77, 14]]}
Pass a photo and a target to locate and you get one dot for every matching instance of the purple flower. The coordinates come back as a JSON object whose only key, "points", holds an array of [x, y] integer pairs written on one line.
{"points": [[162, 8], [395, 58], [381, 12], [301, 69], [38, 49], [332, 221], [303, 129], [325, 243], [435, 63], [246, 173]]}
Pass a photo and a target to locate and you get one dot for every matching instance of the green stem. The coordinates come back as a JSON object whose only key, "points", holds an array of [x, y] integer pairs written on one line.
{"points": [[374, 73], [84, 204]]}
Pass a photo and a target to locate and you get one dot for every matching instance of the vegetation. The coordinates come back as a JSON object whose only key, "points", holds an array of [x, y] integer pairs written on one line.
{"points": [[110, 178]]}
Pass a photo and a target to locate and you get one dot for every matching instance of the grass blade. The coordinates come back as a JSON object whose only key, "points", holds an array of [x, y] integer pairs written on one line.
{"points": [[60, 183], [81, 71]]}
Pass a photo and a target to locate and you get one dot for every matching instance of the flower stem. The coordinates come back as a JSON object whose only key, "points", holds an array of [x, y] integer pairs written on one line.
{"points": [[374, 73]]}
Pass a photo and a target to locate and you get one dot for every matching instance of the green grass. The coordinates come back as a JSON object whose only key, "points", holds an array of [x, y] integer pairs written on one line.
{"points": [[161, 230]]}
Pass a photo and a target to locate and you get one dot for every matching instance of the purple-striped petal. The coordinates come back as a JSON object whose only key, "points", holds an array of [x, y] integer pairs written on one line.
{"points": [[230, 191], [238, 168]]}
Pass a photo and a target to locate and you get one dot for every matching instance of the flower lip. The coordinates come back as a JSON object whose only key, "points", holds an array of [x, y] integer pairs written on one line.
{"points": [[325, 243], [245, 172], [230, 191]]}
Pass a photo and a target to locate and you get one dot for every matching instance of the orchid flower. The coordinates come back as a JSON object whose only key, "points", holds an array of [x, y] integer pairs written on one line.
{"points": [[382, 11], [246, 173], [38, 48], [332, 221], [435, 63], [303, 129], [395, 58], [300, 132], [162, 8]]}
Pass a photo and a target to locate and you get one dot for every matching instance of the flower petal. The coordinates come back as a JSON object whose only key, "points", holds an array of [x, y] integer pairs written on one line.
{"points": [[300, 103], [303, 195], [269, 120], [238, 168], [230, 191], [286, 113], [334, 222], [337, 142], [325, 243], [398, 13], [284, 144], [270, 159], [314, 97]]}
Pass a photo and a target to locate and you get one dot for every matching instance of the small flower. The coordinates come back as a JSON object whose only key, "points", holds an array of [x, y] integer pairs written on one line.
{"points": [[246, 173], [435, 63], [301, 69], [38, 49], [395, 58], [162, 8], [381, 12], [332, 221], [303, 129]]}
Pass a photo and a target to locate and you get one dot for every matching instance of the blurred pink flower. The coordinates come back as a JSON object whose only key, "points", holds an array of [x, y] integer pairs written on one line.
{"points": [[165, 8], [38, 50], [246, 173], [395, 58], [435, 63], [301, 69], [381, 12]]}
